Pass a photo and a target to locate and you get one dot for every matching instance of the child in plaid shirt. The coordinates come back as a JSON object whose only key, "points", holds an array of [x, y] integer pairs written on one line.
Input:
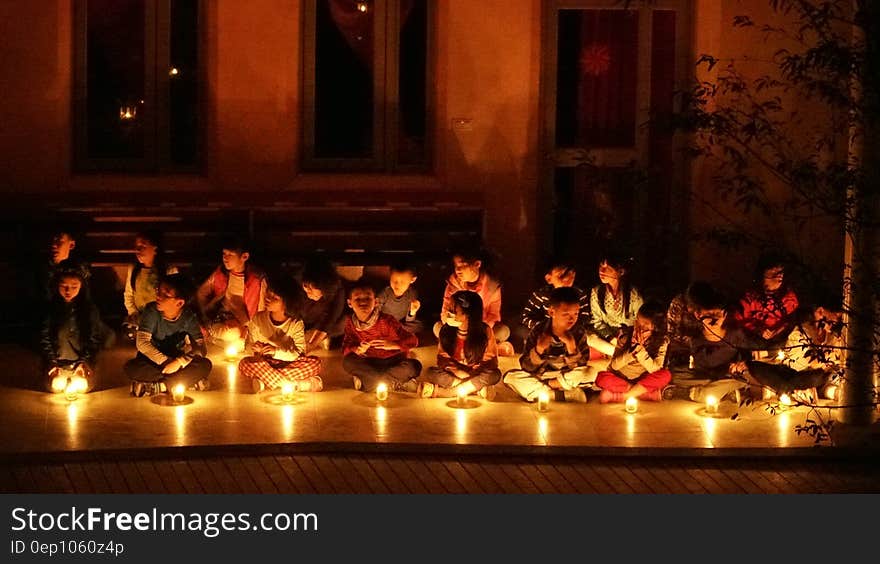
{"points": [[278, 344]]}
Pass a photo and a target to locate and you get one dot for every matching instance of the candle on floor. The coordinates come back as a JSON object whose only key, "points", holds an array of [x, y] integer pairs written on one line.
{"points": [[382, 392], [711, 405], [287, 391], [785, 399], [831, 392], [543, 400], [462, 396], [71, 390], [632, 405], [178, 393], [780, 355], [691, 362], [232, 350]]}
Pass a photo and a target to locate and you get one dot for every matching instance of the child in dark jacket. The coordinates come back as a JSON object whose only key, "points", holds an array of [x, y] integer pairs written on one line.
{"points": [[72, 334]]}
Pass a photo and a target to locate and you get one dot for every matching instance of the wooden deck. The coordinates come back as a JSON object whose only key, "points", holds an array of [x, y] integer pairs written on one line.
{"points": [[343, 473]]}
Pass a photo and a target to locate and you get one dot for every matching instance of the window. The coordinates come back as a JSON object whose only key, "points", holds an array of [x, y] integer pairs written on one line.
{"points": [[367, 103], [137, 80]]}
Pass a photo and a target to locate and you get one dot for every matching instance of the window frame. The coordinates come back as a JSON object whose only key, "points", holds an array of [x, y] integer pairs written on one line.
{"points": [[157, 95], [386, 117]]}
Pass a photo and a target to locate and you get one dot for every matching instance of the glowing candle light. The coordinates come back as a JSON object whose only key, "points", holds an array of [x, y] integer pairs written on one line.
{"points": [[831, 392], [362, 7], [691, 362], [232, 350], [382, 392], [780, 355], [632, 405], [287, 391], [173, 71], [711, 405], [543, 401], [59, 384], [127, 113], [178, 393], [785, 400], [71, 391], [462, 396]]}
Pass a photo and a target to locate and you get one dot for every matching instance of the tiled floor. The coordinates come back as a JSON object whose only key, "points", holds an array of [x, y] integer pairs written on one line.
{"points": [[37, 422]]}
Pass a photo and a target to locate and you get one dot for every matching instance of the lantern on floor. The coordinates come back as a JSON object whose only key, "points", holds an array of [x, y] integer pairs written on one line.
{"points": [[785, 400], [75, 386], [711, 405], [632, 405], [232, 350], [382, 391], [178, 393], [462, 396], [288, 389], [543, 401]]}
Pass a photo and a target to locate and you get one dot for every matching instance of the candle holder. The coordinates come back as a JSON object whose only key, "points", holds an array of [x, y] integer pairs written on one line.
{"points": [[785, 400], [461, 400], [127, 113], [232, 351], [631, 405], [288, 392], [711, 405], [382, 392], [543, 401], [178, 393]]}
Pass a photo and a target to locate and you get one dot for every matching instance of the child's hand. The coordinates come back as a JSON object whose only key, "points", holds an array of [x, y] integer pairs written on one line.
{"points": [[768, 334], [737, 367], [54, 371], [414, 307], [362, 348], [172, 366], [268, 350], [384, 344]]}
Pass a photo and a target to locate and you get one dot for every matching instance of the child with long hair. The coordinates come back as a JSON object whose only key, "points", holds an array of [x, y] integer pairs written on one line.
{"points": [[142, 278], [636, 369], [278, 343], [72, 334], [615, 301], [467, 354], [767, 312]]}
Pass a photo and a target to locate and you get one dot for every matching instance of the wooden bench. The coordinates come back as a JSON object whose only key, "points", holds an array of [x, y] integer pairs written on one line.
{"points": [[367, 229]]}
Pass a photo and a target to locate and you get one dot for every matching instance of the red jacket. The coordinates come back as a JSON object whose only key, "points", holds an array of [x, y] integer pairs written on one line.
{"points": [[761, 311], [387, 328], [253, 279]]}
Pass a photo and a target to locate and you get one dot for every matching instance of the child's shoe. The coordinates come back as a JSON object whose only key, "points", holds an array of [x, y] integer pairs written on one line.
{"points": [[506, 349], [257, 385], [410, 386], [425, 390], [137, 389], [356, 382], [488, 393], [607, 396], [575, 395], [201, 386]]}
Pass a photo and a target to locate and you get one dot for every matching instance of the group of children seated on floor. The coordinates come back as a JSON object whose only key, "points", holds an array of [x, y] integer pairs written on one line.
{"points": [[608, 340]]}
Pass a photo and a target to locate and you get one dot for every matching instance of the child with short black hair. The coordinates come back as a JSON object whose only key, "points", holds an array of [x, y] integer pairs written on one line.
{"points": [[637, 368], [170, 344], [557, 352], [278, 344], [615, 302], [400, 299], [63, 257], [682, 324], [467, 353], [321, 303], [375, 345], [72, 334], [142, 278], [232, 294], [561, 274]]}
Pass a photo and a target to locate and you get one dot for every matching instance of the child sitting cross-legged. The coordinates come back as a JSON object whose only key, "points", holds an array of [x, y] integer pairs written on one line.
{"points": [[170, 345], [277, 341], [72, 335], [636, 369], [375, 345], [467, 354], [557, 351]]}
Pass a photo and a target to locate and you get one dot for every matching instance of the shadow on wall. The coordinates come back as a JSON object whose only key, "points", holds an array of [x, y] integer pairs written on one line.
{"points": [[509, 192]]}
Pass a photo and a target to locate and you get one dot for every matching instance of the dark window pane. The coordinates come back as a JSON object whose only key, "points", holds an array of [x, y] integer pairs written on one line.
{"points": [[343, 80], [412, 88], [596, 78], [183, 83], [115, 78]]}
